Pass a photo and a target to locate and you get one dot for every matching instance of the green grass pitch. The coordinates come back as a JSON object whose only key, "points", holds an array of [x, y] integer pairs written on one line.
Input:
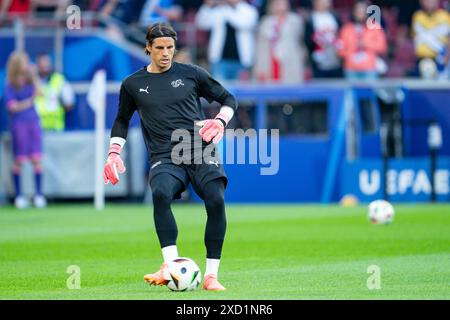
{"points": [[270, 252]]}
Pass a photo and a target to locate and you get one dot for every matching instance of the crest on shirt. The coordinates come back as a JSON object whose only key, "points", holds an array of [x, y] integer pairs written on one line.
{"points": [[177, 83]]}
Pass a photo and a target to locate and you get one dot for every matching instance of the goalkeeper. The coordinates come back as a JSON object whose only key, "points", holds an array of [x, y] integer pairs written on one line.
{"points": [[166, 95]]}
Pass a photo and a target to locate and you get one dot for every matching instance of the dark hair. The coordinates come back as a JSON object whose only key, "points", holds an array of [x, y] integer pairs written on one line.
{"points": [[159, 30]]}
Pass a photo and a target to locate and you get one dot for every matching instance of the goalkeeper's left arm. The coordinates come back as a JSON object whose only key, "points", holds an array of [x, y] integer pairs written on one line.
{"points": [[114, 164], [211, 89]]}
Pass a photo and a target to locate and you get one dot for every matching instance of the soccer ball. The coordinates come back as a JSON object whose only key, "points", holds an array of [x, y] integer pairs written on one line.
{"points": [[183, 274], [380, 212]]}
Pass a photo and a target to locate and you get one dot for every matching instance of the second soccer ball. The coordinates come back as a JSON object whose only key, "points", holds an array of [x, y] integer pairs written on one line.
{"points": [[380, 212]]}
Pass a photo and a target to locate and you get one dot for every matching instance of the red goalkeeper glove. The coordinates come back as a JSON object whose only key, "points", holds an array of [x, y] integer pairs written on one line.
{"points": [[114, 165], [212, 129]]}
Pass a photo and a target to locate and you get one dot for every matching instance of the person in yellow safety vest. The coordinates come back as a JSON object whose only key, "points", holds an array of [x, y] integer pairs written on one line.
{"points": [[57, 96]]}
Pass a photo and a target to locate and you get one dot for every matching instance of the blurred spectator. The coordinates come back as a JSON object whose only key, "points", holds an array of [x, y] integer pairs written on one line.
{"points": [[57, 96], [321, 33], [260, 5], [188, 5], [232, 39], [278, 45], [48, 8], [87, 5], [431, 27], [20, 90], [115, 14], [443, 63], [126, 11], [405, 9], [53, 7], [361, 45], [14, 7], [183, 56], [160, 11]]}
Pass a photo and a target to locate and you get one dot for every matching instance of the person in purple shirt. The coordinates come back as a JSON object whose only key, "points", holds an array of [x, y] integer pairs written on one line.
{"points": [[20, 90]]}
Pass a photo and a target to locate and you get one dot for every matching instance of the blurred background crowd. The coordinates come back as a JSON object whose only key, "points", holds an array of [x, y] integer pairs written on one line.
{"points": [[287, 41], [298, 66]]}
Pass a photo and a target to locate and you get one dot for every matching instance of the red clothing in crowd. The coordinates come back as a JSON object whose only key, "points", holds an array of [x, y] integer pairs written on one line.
{"points": [[19, 6], [360, 46]]}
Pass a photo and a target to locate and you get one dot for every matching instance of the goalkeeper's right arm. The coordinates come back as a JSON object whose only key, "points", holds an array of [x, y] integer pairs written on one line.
{"points": [[114, 164]]}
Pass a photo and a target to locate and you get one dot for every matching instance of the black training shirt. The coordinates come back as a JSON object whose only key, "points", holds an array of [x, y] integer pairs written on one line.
{"points": [[165, 102]]}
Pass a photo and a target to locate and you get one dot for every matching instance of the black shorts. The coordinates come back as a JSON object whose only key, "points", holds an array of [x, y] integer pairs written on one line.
{"points": [[196, 174]]}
